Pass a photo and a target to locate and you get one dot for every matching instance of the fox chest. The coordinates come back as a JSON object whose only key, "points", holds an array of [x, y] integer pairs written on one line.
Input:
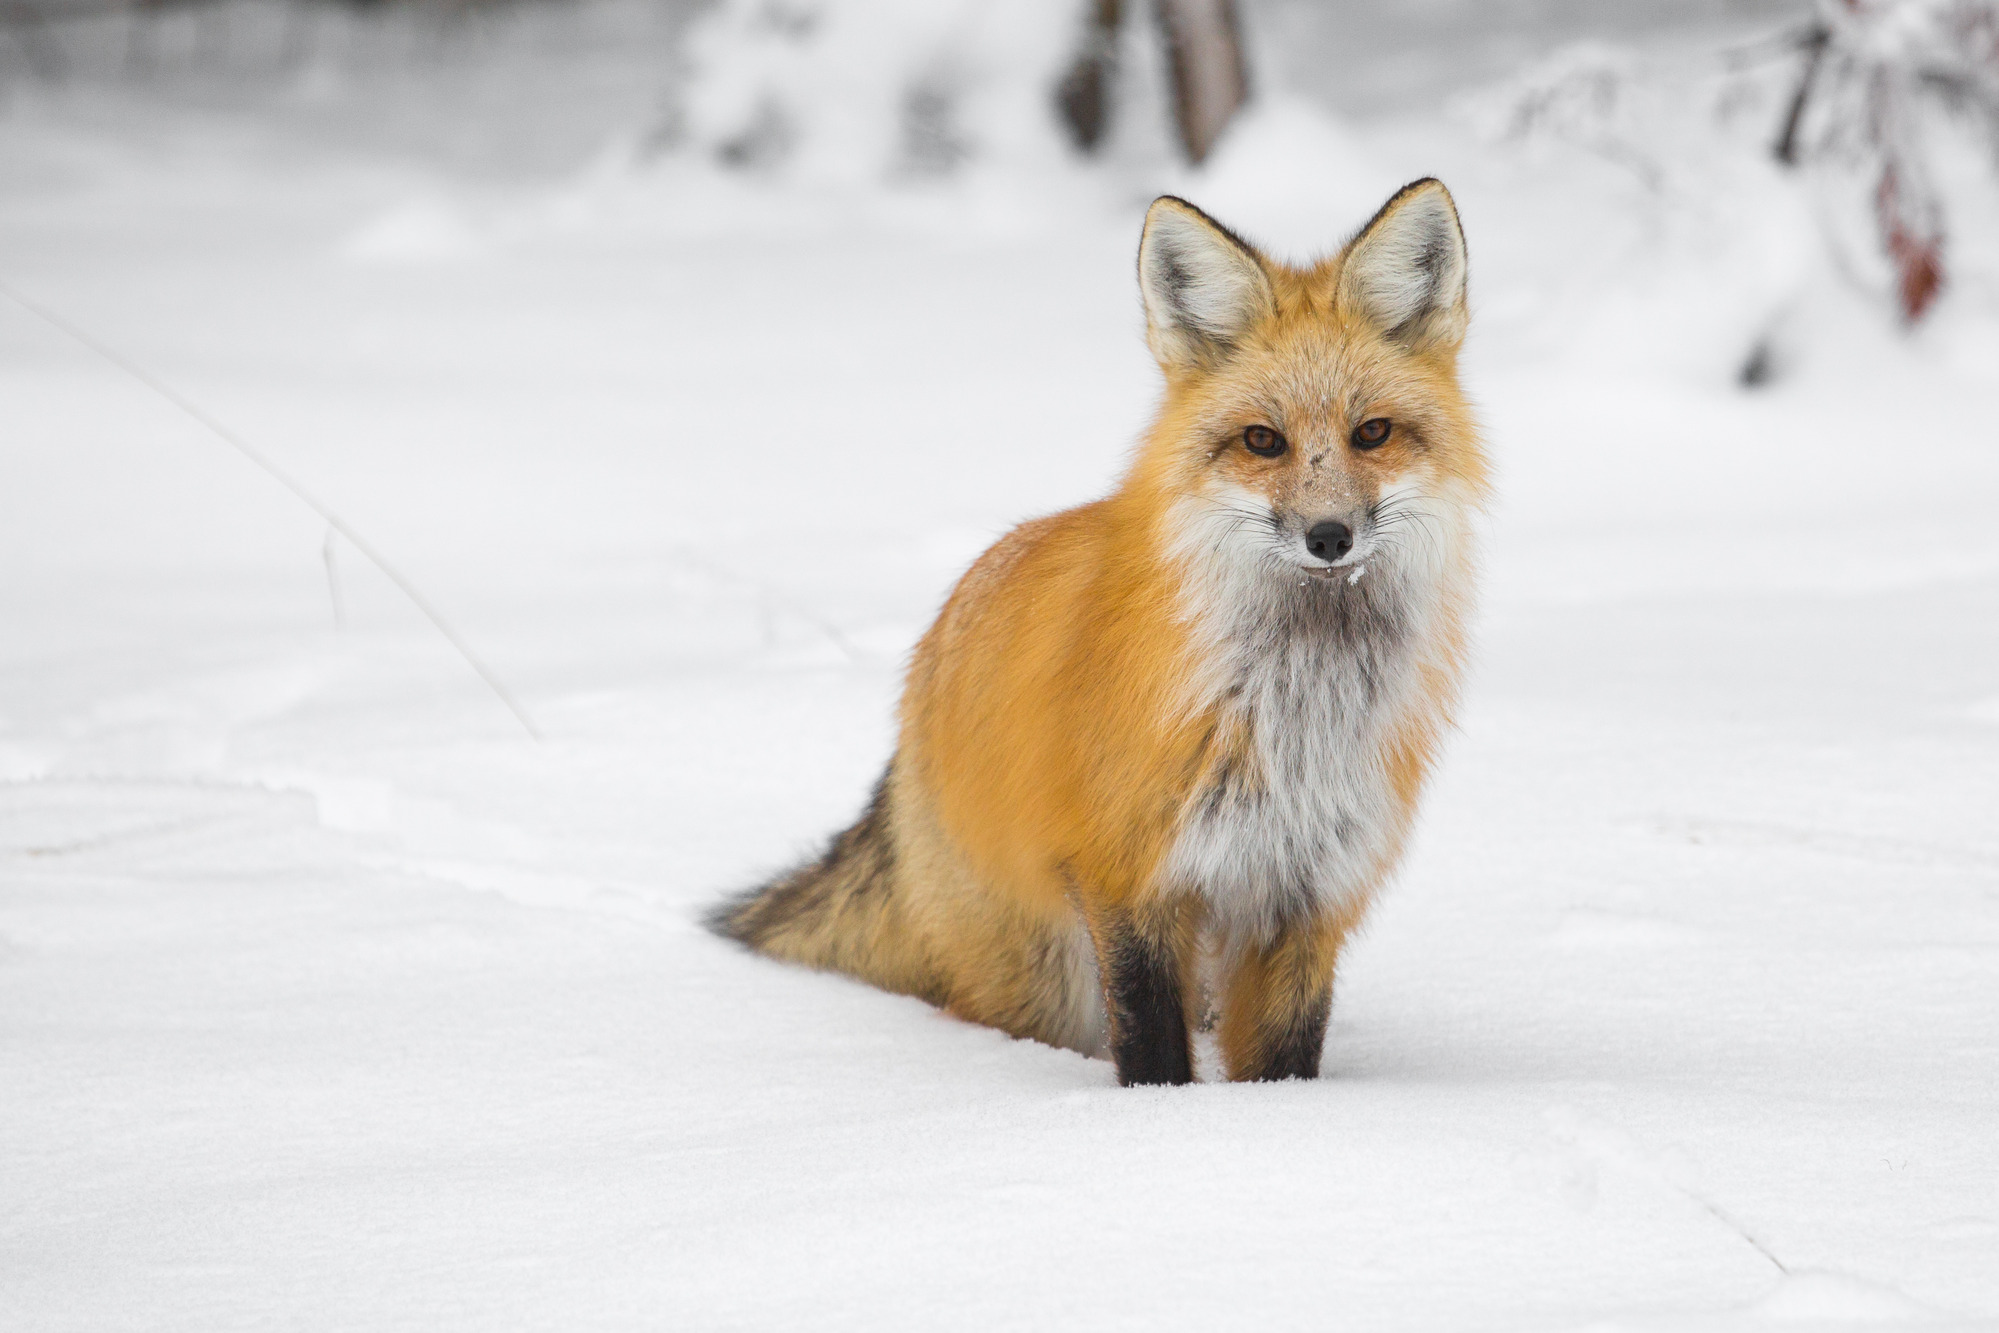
{"points": [[1296, 810]]}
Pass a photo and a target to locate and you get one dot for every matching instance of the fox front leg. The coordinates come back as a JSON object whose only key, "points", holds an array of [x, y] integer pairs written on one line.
{"points": [[1142, 958], [1276, 998]]}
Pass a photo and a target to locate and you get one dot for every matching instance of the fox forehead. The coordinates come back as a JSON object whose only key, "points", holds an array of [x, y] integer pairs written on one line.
{"points": [[1315, 379]]}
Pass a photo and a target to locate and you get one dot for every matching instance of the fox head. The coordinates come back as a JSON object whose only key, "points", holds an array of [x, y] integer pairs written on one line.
{"points": [[1313, 432]]}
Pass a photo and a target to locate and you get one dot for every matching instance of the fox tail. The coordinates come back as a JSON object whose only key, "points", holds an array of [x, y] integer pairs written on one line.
{"points": [[841, 912]]}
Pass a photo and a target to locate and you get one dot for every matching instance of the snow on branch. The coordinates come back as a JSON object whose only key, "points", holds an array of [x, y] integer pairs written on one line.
{"points": [[1873, 76]]}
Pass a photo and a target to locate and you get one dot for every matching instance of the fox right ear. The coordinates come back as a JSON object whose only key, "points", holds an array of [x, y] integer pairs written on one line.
{"points": [[1203, 285], [1405, 272]]}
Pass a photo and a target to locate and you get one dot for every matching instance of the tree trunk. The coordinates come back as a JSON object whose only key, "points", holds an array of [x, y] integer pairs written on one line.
{"points": [[1084, 95], [1210, 78]]}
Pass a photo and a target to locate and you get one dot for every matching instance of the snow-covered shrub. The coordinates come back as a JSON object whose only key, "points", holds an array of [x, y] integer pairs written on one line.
{"points": [[866, 90], [1893, 126], [1883, 82], [1590, 96], [1664, 232]]}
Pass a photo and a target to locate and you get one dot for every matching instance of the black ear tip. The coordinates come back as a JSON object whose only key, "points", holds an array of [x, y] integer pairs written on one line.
{"points": [[1203, 219], [1427, 185], [1173, 203]]}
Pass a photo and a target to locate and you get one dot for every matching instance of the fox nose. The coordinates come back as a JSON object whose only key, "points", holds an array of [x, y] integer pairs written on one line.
{"points": [[1329, 540]]}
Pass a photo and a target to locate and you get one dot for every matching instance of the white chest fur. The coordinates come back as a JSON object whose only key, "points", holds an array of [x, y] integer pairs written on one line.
{"points": [[1306, 814]]}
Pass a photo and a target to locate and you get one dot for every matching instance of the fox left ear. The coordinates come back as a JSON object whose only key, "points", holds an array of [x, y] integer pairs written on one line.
{"points": [[1405, 272], [1204, 287]]}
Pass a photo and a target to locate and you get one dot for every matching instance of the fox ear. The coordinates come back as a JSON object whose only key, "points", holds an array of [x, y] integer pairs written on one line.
{"points": [[1405, 272], [1204, 287]]}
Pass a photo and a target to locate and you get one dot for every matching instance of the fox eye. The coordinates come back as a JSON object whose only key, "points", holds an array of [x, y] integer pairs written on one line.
{"points": [[1263, 442], [1373, 433]]}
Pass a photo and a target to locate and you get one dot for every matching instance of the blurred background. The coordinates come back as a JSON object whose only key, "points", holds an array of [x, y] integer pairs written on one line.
{"points": [[486, 210], [664, 363]]}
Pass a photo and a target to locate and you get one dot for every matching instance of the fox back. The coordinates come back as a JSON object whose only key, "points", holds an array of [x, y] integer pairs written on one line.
{"points": [[1157, 754]]}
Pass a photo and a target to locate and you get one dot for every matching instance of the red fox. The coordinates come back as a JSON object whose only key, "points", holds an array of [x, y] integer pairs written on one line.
{"points": [[1158, 753]]}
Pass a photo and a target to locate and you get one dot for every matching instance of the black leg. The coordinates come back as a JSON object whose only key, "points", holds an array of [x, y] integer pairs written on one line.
{"points": [[1148, 1020]]}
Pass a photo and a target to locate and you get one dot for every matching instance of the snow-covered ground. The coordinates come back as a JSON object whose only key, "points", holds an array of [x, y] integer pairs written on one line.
{"points": [[329, 999]]}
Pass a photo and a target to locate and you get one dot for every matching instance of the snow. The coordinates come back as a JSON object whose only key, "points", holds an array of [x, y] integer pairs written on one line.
{"points": [[329, 999]]}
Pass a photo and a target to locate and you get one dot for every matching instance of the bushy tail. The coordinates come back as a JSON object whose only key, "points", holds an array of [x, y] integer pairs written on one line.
{"points": [[841, 912]]}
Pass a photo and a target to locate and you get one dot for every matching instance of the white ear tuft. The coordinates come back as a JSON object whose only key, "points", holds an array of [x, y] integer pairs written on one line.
{"points": [[1406, 270], [1203, 287]]}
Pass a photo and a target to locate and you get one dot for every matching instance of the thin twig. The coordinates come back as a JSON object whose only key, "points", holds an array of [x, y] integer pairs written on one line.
{"points": [[769, 601], [327, 553], [1734, 1226], [1814, 43], [299, 492]]}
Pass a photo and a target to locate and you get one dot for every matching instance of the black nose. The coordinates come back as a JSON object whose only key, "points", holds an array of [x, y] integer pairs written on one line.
{"points": [[1329, 540]]}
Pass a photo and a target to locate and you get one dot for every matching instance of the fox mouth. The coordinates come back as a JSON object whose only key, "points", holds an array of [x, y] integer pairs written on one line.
{"points": [[1344, 567], [1349, 568]]}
